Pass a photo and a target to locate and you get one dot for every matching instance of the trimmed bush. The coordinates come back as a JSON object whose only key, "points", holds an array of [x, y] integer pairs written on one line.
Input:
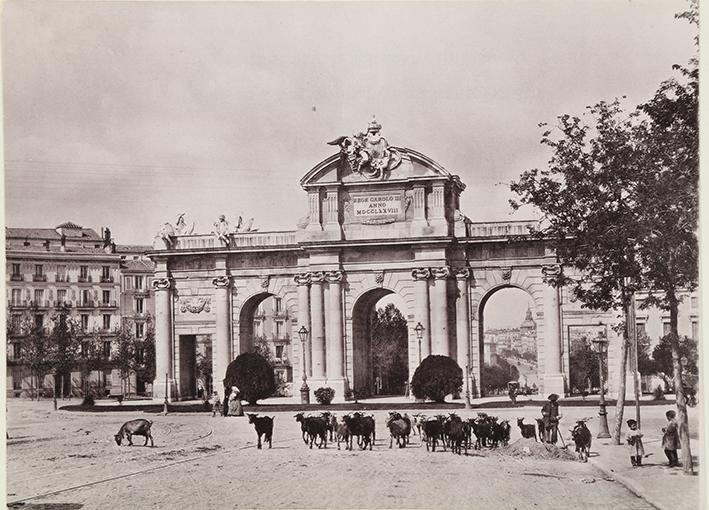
{"points": [[436, 377], [253, 375], [324, 395], [88, 401]]}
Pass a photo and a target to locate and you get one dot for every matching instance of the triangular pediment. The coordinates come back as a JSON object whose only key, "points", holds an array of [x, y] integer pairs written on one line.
{"points": [[412, 166]]}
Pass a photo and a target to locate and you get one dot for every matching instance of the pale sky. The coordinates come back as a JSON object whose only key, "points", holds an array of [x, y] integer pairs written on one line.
{"points": [[126, 114]]}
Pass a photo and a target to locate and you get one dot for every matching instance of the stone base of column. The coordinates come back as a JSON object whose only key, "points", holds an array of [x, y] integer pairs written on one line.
{"points": [[159, 391], [340, 386], [553, 383]]}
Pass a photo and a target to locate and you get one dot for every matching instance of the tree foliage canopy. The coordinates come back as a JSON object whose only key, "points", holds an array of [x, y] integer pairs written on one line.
{"points": [[253, 375], [436, 377], [389, 337]]}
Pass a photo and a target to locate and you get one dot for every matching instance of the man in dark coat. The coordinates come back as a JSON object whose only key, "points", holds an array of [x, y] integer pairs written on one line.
{"points": [[550, 418]]}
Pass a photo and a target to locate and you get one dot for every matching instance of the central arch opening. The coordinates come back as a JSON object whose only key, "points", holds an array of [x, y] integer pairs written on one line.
{"points": [[509, 342], [380, 344]]}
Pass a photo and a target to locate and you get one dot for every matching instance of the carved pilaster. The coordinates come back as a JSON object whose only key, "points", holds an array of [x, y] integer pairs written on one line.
{"points": [[221, 282], [421, 273], [441, 273], [162, 284], [302, 279]]}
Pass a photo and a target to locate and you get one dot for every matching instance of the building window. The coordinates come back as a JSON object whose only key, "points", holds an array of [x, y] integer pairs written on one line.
{"points": [[16, 270], [279, 352], [85, 321], [138, 280], [128, 283], [38, 270], [107, 348], [106, 322], [279, 329], [258, 328], [694, 302], [105, 273], [666, 328], [278, 304], [15, 323], [139, 354], [139, 305], [139, 329], [38, 296], [16, 350], [84, 348], [39, 320], [640, 329], [695, 331], [61, 296], [85, 297], [106, 295], [16, 296], [61, 274], [83, 273]]}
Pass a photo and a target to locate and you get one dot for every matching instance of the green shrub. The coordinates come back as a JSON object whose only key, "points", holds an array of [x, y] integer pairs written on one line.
{"points": [[253, 375], [658, 393], [324, 395], [436, 377]]}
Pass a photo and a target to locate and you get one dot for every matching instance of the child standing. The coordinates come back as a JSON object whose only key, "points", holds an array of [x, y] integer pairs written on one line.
{"points": [[635, 441], [216, 403], [670, 439]]}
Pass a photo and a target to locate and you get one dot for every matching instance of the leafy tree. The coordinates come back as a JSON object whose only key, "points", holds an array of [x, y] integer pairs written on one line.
{"points": [[646, 364], [436, 377], [662, 358], [583, 365], [251, 373], [91, 358], [65, 345], [123, 355], [262, 348], [36, 350], [389, 346], [204, 371], [144, 364]]}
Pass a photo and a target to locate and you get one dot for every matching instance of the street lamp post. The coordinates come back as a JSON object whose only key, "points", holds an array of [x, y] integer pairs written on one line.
{"points": [[304, 389], [601, 344], [419, 335], [467, 387]]}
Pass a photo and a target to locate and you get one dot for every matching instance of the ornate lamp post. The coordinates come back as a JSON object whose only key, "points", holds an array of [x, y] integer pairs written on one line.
{"points": [[419, 335], [304, 389], [601, 345], [467, 387]]}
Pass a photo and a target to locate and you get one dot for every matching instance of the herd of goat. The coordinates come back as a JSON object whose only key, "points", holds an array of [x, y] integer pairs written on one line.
{"points": [[449, 431]]}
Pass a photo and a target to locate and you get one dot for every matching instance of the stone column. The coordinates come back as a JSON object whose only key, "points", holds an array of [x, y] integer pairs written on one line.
{"points": [[421, 277], [164, 383], [462, 318], [440, 342], [303, 282], [335, 347], [222, 338], [317, 318], [553, 375]]}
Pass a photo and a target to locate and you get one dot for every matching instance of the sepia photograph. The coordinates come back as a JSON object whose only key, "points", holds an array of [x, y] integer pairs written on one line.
{"points": [[352, 255]]}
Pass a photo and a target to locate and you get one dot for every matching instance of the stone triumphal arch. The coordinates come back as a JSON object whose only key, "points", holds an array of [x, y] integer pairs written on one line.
{"points": [[382, 220]]}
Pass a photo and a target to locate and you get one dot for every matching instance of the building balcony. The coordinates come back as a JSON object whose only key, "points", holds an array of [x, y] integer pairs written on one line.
{"points": [[18, 304], [141, 292], [17, 278], [85, 279], [61, 278], [106, 279], [42, 303], [108, 304], [39, 277], [86, 304], [62, 304]]}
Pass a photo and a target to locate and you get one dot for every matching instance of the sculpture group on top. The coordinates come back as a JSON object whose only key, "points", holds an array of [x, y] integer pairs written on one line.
{"points": [[368, 154], [221, 230]]}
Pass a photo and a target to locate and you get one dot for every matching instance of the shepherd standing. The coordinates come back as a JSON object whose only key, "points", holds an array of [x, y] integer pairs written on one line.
{"points": [[550, 418]]}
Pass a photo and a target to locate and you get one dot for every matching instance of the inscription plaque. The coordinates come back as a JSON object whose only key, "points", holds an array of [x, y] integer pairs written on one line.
{"points": [[374, 208]]}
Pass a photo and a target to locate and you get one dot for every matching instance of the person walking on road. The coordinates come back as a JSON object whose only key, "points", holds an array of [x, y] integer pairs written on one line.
{"points": [[670, 439], [235, 402], [550, 418], [635, 442]]}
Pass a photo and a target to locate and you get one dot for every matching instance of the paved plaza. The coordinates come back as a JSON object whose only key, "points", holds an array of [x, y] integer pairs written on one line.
{"points": [[69, 460]]}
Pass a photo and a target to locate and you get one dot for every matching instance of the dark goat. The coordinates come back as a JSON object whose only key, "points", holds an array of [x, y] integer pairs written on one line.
{"points": [[482, 428], [540, 429], [331, 421], [139, 427], [398, 428], [528, 430], [457, 434], [315, 427], [501, 433], [300, 417], [433, 429], [582, 439], [343, 434], [264, 427], [362, 427]]}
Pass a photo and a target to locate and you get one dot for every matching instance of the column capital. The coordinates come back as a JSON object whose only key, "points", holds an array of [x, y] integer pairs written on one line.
{"points": [[463, 274], [162, 284], [222, 282], [421, 273], [551, 275], [317, 277], [335, 276], [441, 273], [302, 279]]}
